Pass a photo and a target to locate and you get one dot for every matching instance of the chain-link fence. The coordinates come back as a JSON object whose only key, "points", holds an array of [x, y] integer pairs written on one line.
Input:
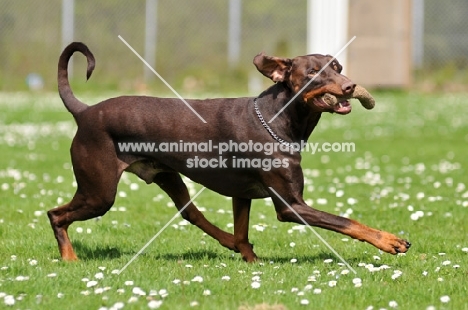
{"points": [[445, 33], [191, 39]]}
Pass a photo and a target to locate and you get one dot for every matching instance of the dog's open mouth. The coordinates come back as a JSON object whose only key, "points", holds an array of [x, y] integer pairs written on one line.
{"points": [[343, 106]]}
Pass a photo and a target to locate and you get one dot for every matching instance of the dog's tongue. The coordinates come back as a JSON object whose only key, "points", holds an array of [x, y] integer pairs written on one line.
{"points": [[343, 107]]}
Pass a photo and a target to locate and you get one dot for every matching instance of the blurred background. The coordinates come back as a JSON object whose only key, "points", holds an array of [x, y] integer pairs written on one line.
{"points": [[207, 46]]}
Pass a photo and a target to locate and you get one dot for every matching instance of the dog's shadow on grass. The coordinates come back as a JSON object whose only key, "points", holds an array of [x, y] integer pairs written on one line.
{"points": [[85, 252], [110, 253], [188, 256], [274, 259]]}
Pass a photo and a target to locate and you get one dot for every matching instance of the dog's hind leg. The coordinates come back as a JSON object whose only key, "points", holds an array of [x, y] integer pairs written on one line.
{"points": [[241, 211], [97, 180], [172, 184], [290, 207]]}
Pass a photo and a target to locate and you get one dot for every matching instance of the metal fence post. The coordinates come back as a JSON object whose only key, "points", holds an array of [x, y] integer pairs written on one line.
{"points": [[151, 26], [68, 22], [234, 32]]}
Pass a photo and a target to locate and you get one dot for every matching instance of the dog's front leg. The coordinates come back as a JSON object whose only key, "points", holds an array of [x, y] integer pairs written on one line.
{"points": [[290, 207], [241, 212]]}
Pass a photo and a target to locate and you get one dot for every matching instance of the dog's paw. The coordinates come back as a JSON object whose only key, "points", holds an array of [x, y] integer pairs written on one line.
{"points": [[250, 258], [393, 245], [228, 242]]}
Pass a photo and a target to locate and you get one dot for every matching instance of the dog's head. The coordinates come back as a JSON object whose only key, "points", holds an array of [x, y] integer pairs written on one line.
{"points": [[312, 76]]}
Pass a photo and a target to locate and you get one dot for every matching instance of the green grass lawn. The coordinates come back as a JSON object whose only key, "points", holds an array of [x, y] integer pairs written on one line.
{"points": [[408, 175]]}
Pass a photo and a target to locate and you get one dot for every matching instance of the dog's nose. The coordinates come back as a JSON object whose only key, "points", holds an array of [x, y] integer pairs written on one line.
{"points": [[348, 88]]}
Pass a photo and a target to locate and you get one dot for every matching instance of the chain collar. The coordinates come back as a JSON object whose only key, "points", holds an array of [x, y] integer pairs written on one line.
{"points": [[268, 128]]}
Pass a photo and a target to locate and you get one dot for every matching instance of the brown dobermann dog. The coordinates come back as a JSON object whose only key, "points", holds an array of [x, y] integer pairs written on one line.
{"points": [[98, 162]]}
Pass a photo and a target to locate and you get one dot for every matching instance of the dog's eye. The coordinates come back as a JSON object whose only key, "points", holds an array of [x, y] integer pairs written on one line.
{"points": [[312, 72], [336, 67]]}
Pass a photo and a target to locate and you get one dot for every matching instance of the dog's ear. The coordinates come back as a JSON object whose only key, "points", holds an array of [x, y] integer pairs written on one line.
{"points": [[275, 68]]}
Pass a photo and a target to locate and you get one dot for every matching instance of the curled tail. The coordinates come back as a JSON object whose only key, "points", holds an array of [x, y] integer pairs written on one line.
{"points": [[72, 104]]}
